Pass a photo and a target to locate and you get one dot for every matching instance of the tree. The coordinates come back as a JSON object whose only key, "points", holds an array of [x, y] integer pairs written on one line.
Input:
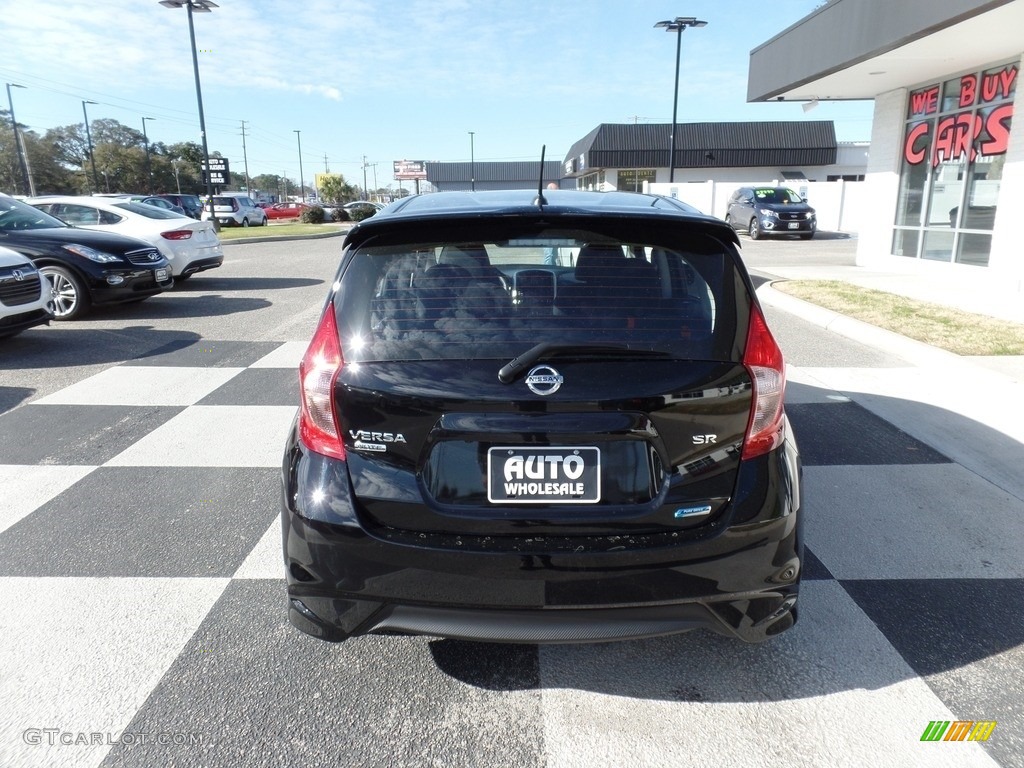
{"points": [[334, 188], [48, 176], [108, 131], [69, 145], [186, 163]]}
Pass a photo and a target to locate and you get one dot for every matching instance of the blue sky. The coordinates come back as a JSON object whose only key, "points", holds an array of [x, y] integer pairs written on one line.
{"points": [[390, 79]]}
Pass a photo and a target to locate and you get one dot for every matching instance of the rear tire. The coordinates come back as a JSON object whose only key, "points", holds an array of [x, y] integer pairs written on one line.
{"points": [[70, 298], [754, 230]]}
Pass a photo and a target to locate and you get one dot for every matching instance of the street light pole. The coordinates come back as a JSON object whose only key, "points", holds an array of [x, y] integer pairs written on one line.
{"points": [[302, 178], [245, 159], [17, 141], [677, 25], [149, 169], [199, 6], [472, 164], [88, 138]]}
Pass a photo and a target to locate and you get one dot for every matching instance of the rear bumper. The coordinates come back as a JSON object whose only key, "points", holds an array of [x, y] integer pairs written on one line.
{"points": [[201, 265], [345, 580], [327, 620]]}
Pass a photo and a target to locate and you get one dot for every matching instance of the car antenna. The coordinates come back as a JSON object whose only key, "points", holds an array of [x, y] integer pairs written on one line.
{"points": [[541, 201]]}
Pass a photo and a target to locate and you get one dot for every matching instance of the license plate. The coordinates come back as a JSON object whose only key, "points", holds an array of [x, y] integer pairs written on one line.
{"points": [[528, 475], [161, 274], [794, 225]]}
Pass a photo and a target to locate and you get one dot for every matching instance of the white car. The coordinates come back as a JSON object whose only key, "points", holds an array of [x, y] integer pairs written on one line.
{"points": [[190, 246], [26, 298], [236, 209]]}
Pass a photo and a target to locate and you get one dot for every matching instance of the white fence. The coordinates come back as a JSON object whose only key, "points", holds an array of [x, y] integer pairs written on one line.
{"points": [[842, 206]]}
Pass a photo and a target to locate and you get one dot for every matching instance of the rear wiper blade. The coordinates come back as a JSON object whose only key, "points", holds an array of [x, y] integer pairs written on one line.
{"points": [[535, 354]]}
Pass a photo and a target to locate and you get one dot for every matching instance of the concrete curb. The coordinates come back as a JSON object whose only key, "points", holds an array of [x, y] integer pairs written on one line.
{"points": [[284, 238], [912, 351]]}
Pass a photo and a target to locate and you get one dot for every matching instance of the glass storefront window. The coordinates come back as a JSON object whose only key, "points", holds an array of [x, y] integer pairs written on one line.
{"points": [[954, 148], [974, 249], [946, 191], [938, 245], [631, 180], [905, 242], [910, 206]]}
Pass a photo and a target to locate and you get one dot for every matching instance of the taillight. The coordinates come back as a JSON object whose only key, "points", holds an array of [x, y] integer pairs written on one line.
{"points": [[177, 234], [763, 359], [319, 369]]}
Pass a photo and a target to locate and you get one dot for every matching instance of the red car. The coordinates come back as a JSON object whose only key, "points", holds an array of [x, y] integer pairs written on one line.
{"points": [[285, 210]]}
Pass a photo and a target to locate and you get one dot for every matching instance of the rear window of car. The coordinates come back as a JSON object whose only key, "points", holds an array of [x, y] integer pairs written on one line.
{"points": [[149, 211], [474, 299]]}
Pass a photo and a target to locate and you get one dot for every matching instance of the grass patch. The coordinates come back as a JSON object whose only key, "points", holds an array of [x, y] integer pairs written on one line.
{"points": [[276, 230], [963, 333]]}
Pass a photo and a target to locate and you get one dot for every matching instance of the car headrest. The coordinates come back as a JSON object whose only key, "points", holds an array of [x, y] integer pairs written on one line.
{"points": [[596, 262], [469, 257]]}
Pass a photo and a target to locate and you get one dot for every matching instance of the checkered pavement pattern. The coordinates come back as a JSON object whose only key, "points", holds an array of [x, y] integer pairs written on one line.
{"points": [[142, 606]]}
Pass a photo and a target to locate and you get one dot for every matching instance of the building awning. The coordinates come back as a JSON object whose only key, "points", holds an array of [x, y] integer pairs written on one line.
{"points": [[857, 49], [793, 175]]}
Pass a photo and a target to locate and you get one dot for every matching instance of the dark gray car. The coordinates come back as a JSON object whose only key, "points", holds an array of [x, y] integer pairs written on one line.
{"points": [[760, 211]]}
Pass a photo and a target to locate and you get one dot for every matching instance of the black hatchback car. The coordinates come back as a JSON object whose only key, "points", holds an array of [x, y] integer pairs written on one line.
{"points": [[761, 211], [541, 419], [84, 267]]}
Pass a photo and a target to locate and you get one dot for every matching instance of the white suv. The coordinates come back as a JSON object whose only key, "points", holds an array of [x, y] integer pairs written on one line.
{"points": [[25, 297], [235, 209]]}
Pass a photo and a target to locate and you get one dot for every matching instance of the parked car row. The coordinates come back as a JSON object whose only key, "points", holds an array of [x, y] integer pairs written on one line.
{"points": [[105, 251]]}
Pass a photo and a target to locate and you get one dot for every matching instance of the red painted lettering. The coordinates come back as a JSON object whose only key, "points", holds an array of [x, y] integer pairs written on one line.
{"points": [[990, 88], [955, 137], [998, 85], [968, 90], [998, 128], [911, 150], [924, 102], [1006, 78]]}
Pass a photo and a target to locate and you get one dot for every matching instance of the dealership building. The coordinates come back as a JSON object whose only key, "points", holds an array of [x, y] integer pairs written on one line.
{"points": [[946, 166]]}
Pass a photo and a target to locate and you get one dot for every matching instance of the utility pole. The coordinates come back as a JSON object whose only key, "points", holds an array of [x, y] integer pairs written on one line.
{"points": [[245, 159], [367, 195], [326, 169], [18, 145], [149, 168], [302, 179]]}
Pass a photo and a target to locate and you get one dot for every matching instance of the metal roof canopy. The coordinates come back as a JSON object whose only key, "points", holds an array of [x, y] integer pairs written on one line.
{"points": [[772, 143], [857, 49]]}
